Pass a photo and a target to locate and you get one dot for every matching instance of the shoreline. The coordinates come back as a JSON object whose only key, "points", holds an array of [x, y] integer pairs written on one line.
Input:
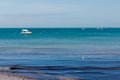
{"points": [[10, 76], [4, 75]]}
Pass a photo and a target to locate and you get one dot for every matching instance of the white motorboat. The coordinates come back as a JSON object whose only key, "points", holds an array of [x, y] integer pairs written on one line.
{"points": [[26, 31]]}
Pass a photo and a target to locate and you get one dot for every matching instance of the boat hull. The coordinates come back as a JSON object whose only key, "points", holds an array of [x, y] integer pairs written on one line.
{"points": [[26, 32]]}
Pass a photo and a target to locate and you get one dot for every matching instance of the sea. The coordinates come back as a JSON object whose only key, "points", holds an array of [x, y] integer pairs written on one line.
{"points": [[83, 53]]}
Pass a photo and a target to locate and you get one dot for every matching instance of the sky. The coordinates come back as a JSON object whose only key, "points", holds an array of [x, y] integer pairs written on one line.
{"points": [[59, 13]]}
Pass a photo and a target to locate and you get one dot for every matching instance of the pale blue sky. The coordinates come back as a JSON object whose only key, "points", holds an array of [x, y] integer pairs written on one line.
{"points": [[59, 13]]}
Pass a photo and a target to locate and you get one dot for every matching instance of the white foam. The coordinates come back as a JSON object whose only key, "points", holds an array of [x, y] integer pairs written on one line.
{"points": [[4, 68]]}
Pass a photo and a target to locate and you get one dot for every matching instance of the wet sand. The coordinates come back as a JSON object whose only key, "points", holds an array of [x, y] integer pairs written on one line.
{"points": [[17, 76], [5, 76]]}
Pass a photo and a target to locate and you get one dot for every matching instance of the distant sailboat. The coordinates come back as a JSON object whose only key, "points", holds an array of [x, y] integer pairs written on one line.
{"points": [[26, 31]]}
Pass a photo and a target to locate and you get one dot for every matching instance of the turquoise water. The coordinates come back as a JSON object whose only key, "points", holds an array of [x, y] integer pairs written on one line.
{"points": [[83, 53]]}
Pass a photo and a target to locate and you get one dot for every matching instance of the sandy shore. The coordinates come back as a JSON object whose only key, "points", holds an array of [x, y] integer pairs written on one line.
{"points": [[14, 76], [6, 76]]}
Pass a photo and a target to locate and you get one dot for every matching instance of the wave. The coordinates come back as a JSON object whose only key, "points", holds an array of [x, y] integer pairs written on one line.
{"points": [[75, 71], [17, 67], [5, 68]]}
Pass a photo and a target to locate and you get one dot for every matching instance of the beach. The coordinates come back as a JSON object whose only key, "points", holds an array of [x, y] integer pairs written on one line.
{"points": [[6, 76], [16, 76]]}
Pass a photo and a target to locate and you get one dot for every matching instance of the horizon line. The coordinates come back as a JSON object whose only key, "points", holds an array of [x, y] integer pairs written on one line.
{"points": [[59, 27]]}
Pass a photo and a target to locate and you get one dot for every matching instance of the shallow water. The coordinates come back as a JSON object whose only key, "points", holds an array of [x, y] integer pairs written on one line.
{"points": [[86, 54]]}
